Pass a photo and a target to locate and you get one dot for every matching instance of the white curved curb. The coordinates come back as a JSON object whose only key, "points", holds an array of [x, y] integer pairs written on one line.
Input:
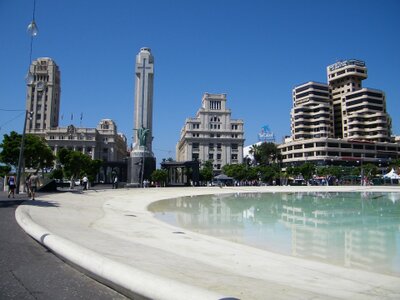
{"points": [[127, 280]]}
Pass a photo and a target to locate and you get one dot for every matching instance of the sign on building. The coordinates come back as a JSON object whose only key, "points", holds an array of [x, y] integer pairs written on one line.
{"points": [[266, 135]]}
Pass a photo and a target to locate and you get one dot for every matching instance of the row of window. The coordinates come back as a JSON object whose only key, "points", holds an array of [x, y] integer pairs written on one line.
{"points": [[214, 126], [369, 107], [342, 145], [322, 94], [364, 100], [340, 155], [364, 93], [71, 137], [211, 146], [327, 122], [312, 86], [211, 156], [235, 136]]}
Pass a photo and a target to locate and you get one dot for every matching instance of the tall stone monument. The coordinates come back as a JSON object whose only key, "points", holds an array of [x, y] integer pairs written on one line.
{"points": [[142, 161]]}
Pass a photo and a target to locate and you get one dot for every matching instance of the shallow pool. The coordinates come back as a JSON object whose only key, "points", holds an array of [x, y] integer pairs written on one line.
{"points": [[355, 230]]}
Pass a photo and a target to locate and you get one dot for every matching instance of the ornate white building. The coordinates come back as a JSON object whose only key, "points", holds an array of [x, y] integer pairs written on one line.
{"points": [[212, 135]]}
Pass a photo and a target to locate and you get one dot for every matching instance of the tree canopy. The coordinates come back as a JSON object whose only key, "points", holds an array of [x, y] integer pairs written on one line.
{"points": [[76, 164], [265, 153], [37, 154], [159, 176], [206, 171]]}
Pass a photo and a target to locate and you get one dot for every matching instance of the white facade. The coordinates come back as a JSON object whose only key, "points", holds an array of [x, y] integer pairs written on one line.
{"points": [[212, 135], [103, 142]]}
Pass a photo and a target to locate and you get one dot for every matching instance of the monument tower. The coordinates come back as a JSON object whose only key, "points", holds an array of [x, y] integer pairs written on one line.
{"points": [[142, 162]]}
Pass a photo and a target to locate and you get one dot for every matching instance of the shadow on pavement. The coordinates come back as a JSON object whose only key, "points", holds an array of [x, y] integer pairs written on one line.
{"points": [[39, 203]]}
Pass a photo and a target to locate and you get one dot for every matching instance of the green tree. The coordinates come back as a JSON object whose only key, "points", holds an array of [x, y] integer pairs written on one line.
{"points": [[206, 172], [10, 149], [169, 159], [236, 171], [370, 170], [307, 170], [37, 154], [160, 176], [76, 163], [265, 153], [92, 168], [4, 170], [57, 174]]}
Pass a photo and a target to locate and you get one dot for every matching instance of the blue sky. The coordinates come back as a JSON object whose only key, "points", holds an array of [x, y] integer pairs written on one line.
{"points": [[254, 51]]}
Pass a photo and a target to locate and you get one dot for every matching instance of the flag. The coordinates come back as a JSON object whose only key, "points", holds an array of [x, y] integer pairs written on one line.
{"points": [[72, 117], [62, 117], [81, 116]]}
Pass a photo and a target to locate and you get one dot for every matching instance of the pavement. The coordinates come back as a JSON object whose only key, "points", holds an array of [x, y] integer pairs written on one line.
{"points": [[110, 235], [30, 271]]}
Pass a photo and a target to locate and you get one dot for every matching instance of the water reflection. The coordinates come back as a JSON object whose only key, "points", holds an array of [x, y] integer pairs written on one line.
{"points": [[358, 230]]}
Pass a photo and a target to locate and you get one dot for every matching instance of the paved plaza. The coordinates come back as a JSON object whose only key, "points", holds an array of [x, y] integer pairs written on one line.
{"points": [[112, 236]]}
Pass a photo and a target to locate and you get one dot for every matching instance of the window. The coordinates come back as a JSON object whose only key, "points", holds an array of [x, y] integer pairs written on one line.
{"points": [[195, 156], [195, 145], [215, 105], [219, 156], [211, 146], [211, 156], [234, 156], [234, 146]]}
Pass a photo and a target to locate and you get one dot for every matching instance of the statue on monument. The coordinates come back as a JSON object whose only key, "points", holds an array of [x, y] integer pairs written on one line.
{"points": [[142, 135]]}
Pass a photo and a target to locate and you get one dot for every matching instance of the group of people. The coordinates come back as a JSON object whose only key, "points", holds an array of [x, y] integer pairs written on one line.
{"points": [[31, 184]]}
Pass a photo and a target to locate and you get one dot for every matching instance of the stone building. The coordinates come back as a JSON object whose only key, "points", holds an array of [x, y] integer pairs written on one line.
{"points": [[43, 104], [43, 95], [340, 122], [212, 135]]}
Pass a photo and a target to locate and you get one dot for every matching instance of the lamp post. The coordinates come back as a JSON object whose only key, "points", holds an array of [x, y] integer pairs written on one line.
{"points": [[28, 114], [33, 31]]}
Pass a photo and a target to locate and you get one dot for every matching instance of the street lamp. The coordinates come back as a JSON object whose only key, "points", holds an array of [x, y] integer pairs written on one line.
{"points": [[28, 115], [33, 31]]}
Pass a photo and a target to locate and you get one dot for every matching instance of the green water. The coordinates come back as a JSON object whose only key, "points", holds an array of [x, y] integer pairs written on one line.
{"points": [[354, 230]]}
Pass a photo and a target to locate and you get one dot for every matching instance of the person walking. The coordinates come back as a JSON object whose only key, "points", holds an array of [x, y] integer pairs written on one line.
{"points": [[85, 182], [11, 186], [115, 182], [33, 183], [28, 185]]}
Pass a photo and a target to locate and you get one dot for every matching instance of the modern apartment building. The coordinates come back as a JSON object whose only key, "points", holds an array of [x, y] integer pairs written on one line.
{"points": [[359, 113], [340, 122], [311, 115], [212, 135]]}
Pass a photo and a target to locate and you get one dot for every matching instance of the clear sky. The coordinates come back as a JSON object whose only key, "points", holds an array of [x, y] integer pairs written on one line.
{"points": [[254, 51]]}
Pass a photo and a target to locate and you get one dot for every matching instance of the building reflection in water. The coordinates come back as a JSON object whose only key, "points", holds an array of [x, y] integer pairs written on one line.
{"points": [[357, 230]]}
